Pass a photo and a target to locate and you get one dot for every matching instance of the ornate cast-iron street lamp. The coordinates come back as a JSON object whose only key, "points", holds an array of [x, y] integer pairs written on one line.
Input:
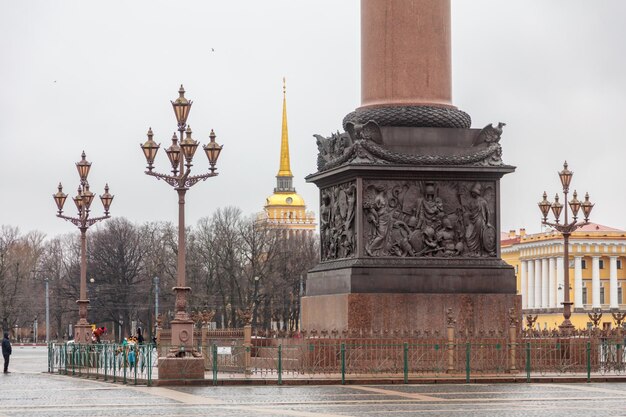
{"points": [[83, 200], [566, 230], [180, 154]]}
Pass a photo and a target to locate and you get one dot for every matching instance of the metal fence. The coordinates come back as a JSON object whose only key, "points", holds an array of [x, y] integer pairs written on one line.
{"points": [[412, 360], [128, 363], [340, 360]]}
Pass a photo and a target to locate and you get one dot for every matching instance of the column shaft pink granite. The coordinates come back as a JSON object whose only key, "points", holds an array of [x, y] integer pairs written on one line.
{"points": [[405, 53]]}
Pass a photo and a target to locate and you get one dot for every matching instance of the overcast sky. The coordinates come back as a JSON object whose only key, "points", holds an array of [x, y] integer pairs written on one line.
{"points": [[93, 75]]}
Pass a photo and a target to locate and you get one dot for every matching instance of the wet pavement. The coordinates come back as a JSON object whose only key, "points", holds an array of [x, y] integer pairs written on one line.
{"points": [[28, 391]]}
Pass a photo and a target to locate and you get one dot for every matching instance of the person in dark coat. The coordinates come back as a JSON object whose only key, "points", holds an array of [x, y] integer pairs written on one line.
{"points": [[6, 351]]}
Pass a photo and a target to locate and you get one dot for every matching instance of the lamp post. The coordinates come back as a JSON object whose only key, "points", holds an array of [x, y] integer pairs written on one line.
{"points": [[180, 154], [46, 280], [83, 200], [156, 303], [566, 230], [255, 300]]}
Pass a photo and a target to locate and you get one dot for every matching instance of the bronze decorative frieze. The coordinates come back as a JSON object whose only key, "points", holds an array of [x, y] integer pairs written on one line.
{"points": [[429, 219], [337, 221], [364, 144]]}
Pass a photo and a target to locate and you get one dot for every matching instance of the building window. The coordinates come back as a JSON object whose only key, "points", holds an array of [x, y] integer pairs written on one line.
{"points": [[585, 295], [619, 296], [583, 264], [619, 264], [601, 295], [601, 264]]}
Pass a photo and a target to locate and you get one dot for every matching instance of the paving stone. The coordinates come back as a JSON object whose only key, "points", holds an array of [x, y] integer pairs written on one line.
{"points": [[29, 391]]}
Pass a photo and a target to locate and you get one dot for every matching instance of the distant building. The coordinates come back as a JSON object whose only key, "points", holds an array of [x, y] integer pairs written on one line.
{"points": [[285, 209], [597, 273]]}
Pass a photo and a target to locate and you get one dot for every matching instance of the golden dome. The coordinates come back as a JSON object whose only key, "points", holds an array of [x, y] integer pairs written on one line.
{"points": [[284, 200]]}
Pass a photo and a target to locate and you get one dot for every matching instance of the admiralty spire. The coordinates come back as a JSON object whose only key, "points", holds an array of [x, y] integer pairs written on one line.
{"points": [[285, 209]]}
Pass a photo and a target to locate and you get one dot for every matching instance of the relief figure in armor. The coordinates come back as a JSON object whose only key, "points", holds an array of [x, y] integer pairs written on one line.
{"points": [[430, 211]]}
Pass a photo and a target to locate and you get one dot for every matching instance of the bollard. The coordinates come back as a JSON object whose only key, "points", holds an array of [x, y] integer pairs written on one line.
{"points": [[406, 363], [280, 364], [451, 322], [137, 352], [527, 361], [343, 364], [247, 343], [125, 359], [467, 362], [588, 361], [73, 360], [513, 343], [214, 365], [114, 363], [149, 370]]}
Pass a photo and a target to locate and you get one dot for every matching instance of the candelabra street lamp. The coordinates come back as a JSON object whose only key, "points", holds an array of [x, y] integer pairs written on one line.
{"points": [[83, 200], [566, 230], [180, 155]]}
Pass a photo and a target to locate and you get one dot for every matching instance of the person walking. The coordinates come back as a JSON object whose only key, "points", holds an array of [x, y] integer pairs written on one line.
{"points": [[6, 351]]}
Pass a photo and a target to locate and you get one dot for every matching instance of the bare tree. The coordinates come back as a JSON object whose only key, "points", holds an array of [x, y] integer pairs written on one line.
{"points": [[160, 257], [9, 284], [59, 264], [295, 255], [115, 263], [19, 256]]}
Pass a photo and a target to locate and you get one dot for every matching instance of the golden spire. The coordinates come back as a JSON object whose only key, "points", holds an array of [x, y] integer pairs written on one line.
{"points": [[285, 167]]}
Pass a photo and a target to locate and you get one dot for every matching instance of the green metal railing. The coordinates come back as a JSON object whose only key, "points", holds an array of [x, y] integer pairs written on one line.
{"points": [[343, 360], [413, 360], [111, 362]]}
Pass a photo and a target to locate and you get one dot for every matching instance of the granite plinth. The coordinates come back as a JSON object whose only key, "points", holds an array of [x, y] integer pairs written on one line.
{"points": [[83, 333], [402, 275], [185, 368], [182, 333], [475, 314]]}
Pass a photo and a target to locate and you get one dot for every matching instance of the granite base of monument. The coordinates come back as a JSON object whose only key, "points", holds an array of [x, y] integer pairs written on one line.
{"points": [[410, 314], [181, 369]]}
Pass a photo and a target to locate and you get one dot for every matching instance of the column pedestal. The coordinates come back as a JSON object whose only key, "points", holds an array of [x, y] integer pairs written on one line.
{"points": [[410, 193], [409, 314], [183, 362], [82, 329]]}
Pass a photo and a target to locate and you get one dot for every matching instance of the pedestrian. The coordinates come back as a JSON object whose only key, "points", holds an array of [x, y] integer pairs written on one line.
{"points": [[132, 356], [98, 332], [139, 336], [6, 351]]}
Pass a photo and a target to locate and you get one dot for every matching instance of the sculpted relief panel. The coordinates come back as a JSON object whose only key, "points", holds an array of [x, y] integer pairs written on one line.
{"points": [[428, 218], [337, 224]]}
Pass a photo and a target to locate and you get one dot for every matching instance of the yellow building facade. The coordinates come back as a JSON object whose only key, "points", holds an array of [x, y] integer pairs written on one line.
{"points": [[597, 273], [285, 209]]}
